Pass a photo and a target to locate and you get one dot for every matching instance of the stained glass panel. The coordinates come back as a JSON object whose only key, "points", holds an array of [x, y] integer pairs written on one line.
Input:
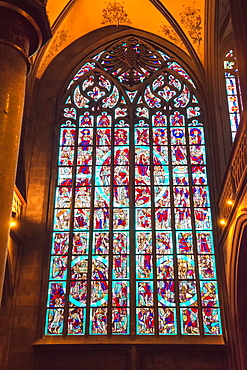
{"points": [[132, 244]]}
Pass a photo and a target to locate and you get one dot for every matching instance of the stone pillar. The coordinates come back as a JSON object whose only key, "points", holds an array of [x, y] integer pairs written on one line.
{"points": [[238, 10], [20, 37]]}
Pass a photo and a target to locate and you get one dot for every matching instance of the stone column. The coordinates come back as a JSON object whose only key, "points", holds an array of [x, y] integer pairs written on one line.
{"points": [[238, 10], [20, 37]]}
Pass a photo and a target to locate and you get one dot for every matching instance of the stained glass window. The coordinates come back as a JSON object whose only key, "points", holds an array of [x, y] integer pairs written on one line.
{"points": [[132, 245], [233, 92]]}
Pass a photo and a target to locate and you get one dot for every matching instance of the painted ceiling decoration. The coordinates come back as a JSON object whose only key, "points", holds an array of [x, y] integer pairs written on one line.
{"points": [[181, 23]]}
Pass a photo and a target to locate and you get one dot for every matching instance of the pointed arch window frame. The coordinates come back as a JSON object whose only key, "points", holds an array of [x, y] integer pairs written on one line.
{"points": [[176, 69]]}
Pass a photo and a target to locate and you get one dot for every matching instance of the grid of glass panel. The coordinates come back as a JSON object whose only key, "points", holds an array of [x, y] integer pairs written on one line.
{"points": [[132, 221], [233, 92]]}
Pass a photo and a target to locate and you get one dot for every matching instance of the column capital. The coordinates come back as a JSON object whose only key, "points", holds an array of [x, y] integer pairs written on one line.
{"points": [[24, 26]]}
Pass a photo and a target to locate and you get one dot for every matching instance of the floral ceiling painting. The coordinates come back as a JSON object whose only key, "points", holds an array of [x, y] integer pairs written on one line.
{"points": [[181, 22]]}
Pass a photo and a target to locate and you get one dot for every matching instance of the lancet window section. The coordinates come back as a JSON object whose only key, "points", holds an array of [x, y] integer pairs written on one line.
{"points": [[132, 242], [233, 91]]}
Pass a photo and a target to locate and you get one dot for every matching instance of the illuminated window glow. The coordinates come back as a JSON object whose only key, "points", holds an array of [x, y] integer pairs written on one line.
{"points": [[233, 92], [132, 243]]}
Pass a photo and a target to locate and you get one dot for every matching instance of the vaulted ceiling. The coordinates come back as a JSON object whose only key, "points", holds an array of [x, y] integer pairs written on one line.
{"points": [[180, 22]]}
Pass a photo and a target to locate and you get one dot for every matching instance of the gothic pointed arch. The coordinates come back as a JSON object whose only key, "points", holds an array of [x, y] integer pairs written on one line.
{"points": [[132, 245]]}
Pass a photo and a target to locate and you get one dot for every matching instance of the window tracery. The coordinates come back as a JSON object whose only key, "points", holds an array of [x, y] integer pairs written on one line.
{"points": [[132, 241]]}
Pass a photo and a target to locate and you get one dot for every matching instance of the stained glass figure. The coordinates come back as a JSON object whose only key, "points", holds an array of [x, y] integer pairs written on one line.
{"points": [[80, 243], [204, 242], [184, 242], [78, 293], [81, 219], [166, 293], [165, 267], [120, 218], [181, 196], [120, 320], [163, 218], [101, 218], [145, 319], [186, 267], [177, 136], [120, 293], [60, 243], [144, 266], [159, 119], [206, 264], [99, 268], [121, 136], [99, 293], [180, 175], [65, 176], [79, 268], [189, 321], [179, 155], [120, 266], [211, 321], [76, 321], [98, 321], [187, 293], [144, 242], [143, 219], [56, 296], [103, 137], [203, 218], [164, 242], [209, 293], [144, 293], [120, 242], [54, 321], [167, 321], [66, 156], [101, 243], [58, 269]]}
